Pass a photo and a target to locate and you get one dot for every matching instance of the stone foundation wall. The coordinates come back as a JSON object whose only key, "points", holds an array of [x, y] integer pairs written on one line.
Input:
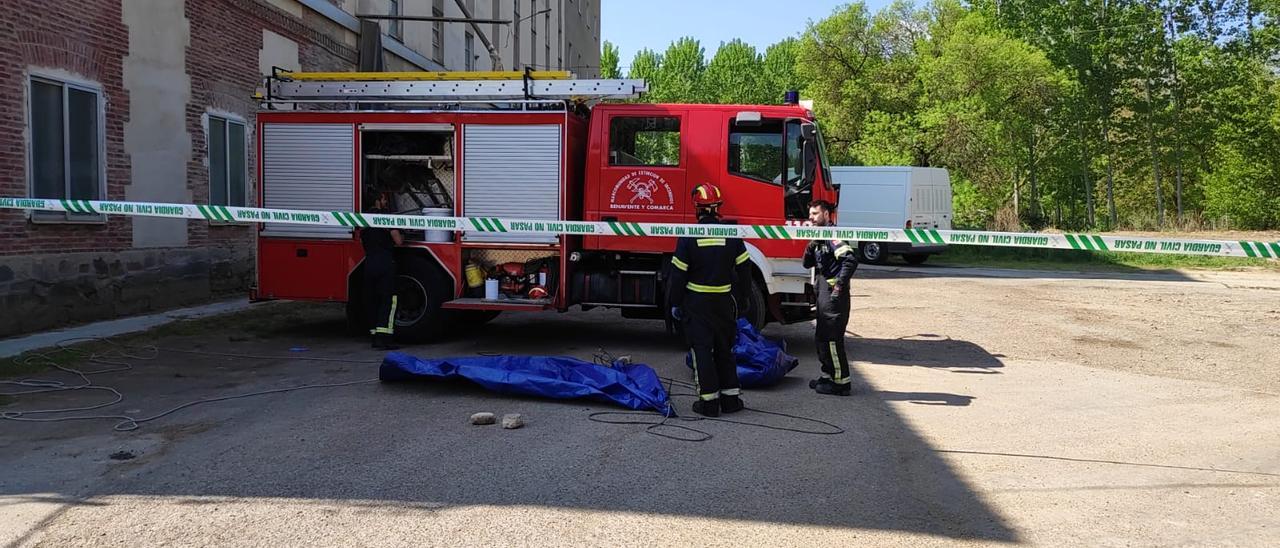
{"points": [[46, 291]]}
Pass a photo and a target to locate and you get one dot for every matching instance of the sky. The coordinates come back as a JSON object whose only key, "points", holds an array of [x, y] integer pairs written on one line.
{"points": [[636, 24]]}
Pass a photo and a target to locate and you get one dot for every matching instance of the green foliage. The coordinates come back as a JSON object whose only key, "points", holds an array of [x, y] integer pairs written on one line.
{"points": [[1045, 112], [1230, 191], [609, 61], [734, 75], [679, 76]]}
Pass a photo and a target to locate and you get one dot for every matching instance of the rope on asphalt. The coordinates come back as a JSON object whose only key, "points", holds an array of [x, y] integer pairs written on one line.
{"points": [[119, 357]]}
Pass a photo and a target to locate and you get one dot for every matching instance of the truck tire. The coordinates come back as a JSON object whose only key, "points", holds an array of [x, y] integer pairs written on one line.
{"points": [[915, 258], [421, 287], [757, 311], [874, 252]]}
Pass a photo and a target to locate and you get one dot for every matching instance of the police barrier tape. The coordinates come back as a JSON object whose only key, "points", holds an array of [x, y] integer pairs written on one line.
{"points": [[1083, 242]]}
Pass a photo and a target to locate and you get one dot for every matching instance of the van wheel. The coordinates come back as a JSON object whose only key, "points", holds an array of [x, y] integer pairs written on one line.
{"points": [[915, 258], [421, 287], [873, 252]]}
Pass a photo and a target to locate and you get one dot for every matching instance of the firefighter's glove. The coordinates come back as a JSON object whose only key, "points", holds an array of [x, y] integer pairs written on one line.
{"points": [[836, 291]]}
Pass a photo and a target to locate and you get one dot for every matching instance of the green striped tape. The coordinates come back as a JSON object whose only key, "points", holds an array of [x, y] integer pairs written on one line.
{"points": [[1263, 250], [353, 219]]}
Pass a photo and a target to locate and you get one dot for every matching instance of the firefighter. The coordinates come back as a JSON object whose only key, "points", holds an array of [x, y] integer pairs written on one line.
{"points": [[380, 274], [833, 262], [706, 275]]}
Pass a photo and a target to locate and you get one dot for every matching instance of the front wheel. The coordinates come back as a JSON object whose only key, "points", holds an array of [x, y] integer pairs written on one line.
{"points": [[873, 252], [757, 309]]}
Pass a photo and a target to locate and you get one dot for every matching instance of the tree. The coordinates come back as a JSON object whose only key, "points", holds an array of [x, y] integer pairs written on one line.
{"points": [[836, 58], [609, 61], [734, 75], [680, 73], [986, 99], [779, 70], [644, 66]]}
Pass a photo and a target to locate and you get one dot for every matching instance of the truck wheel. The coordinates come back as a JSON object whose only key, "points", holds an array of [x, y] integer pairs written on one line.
{"points": [[421, 287], [757, 309], [915, 258], [873, 252]]}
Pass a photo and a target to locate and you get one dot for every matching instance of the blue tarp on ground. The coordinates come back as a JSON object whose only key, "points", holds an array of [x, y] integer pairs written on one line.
{"points": [[634, 386], [760, 361]]}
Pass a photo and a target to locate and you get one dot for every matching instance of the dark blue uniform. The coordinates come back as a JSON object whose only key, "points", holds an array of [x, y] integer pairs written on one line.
{"points": [[707, 273], [379, 282], [833, 263]]}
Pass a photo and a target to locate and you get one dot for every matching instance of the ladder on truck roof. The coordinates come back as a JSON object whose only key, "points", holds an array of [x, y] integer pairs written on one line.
{"points": [[444, 87]]}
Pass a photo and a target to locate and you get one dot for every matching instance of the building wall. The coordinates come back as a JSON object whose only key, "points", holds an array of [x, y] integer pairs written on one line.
{"points": [[163, 67], [565, 23], [582, 37]]}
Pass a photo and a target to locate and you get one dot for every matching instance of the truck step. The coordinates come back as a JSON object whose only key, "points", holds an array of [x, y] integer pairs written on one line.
{"points": [[498, 304]]}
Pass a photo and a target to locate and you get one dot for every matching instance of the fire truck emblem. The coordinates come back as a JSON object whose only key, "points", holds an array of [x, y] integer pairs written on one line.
{"points": [[644, 191]]}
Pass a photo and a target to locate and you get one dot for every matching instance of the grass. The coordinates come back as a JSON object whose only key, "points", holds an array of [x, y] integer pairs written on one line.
{"points": [[1062, 259]]}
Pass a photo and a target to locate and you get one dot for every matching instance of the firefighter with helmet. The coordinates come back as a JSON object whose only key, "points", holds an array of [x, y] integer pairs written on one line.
{"points": [[379, 278], [706, 276]]}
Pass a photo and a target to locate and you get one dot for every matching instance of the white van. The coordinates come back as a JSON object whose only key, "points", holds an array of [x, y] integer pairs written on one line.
{"points": [[894, 197]]}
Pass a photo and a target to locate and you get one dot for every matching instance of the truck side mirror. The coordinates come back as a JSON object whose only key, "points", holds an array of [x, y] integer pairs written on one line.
{"points": [[809, 151]]}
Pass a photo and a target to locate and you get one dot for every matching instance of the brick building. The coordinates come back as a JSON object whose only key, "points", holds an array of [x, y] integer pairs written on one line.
{"points": [[151, 100]]}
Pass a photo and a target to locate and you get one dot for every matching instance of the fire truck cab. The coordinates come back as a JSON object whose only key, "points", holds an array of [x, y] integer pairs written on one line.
{"points": [[518, 146]]}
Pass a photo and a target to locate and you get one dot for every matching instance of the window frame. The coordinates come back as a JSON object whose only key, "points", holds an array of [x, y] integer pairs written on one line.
{"points": [[782, 122], [680, 126], [66, 83], [437, 32], [228, 119], [469, 51], [395, 27]]}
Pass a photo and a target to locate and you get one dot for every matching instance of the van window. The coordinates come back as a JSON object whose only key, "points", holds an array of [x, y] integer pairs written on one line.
{"points": [[756, 151], [644, 141]]}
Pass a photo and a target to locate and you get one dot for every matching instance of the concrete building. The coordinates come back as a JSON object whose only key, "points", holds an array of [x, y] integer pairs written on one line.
{"points": [[151, 100], [543, 34]]}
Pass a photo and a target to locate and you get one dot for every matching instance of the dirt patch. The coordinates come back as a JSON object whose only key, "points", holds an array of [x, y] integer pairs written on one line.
{"points": [[1113, 343]]}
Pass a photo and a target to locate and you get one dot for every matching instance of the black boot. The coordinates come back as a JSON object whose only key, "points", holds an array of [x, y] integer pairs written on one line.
{"points": [[382, 341], [731, 404], [707, 408], [829, 387]]}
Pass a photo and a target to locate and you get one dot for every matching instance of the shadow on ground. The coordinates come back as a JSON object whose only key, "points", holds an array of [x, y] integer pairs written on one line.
{"points": [[409, 444], [1029, 271]]}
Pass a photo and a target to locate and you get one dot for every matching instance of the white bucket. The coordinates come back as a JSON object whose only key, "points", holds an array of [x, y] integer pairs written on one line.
{"points": [[438, 236], [491, 289]]}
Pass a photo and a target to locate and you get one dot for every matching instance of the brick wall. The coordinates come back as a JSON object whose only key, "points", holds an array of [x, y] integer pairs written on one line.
{"points": [[222, 61], [55, 274], [88, 39]]}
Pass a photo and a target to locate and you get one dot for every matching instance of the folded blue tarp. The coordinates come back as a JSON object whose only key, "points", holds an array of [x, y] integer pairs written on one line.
{"points": [[634, 386], [760, 361]]}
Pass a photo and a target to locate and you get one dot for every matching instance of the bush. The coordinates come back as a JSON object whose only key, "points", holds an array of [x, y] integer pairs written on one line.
{"points": [[1236, 190]]}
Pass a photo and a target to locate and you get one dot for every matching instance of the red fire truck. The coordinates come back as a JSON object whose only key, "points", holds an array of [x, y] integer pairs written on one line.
{"points": [[524, 146]]}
